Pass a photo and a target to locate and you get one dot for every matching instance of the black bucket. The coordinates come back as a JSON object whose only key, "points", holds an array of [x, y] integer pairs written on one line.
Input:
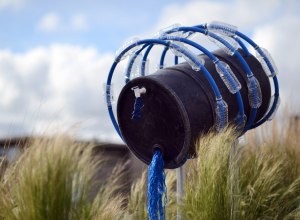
{"points": [[179, 105]]}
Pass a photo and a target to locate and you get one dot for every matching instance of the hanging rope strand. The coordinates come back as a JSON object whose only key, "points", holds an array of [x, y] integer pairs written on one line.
{"points": [[137, 110], [157, 195]]}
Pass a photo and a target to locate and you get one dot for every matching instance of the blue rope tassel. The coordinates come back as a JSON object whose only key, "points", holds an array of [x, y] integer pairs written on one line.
{"points": [[137, 111], [156, 187]]}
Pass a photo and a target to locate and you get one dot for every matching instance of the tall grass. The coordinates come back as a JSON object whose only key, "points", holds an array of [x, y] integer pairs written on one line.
{"points": [[52, 180], [258, 179], [271, 173], [266, 179], [207, 182]]}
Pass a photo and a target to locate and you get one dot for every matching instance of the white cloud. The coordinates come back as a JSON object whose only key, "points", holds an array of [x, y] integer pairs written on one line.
{"points": [[55, 87], [280, 38], [61, 85], [273, 24], [241, 13], [11, 3], [79, 22], [49, 22]]}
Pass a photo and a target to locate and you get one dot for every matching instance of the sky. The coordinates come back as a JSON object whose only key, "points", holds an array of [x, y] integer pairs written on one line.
{"points": [[55, 55]]}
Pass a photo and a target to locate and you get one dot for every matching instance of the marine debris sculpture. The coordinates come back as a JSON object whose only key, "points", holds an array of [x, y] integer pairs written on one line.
{"points": [[160, 115]]}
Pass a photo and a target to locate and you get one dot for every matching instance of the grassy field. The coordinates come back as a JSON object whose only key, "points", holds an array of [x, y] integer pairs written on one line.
{"points": [[256, 179]]}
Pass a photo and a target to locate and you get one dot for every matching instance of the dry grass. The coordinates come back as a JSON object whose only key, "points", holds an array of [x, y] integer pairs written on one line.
{"points": [[265, 182], [259, 179], [207, 182], [272, 167], [52, 180]]}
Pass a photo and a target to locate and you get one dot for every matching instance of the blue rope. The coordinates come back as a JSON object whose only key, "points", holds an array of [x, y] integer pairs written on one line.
{"points": [[275, 80], [156, 187], [151, 42], [137, 110], [203, 30]]}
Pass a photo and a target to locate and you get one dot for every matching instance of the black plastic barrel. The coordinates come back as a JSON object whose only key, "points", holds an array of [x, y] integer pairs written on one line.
{"points": [[179, 105]]}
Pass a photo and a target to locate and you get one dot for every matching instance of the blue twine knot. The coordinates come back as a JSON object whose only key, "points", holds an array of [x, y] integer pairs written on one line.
{"points": [[137, 110], [156, 187]]}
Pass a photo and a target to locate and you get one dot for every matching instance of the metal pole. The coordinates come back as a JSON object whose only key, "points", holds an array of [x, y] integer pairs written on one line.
{"points": [[179, 187], [234, 179]]}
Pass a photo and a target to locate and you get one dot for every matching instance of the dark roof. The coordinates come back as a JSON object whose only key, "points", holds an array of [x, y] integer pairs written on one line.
{"points": [[21, 141]]}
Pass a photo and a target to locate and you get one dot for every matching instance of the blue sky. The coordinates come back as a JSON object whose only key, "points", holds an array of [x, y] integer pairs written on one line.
{"points": [[106, 23], [55, 55]]}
